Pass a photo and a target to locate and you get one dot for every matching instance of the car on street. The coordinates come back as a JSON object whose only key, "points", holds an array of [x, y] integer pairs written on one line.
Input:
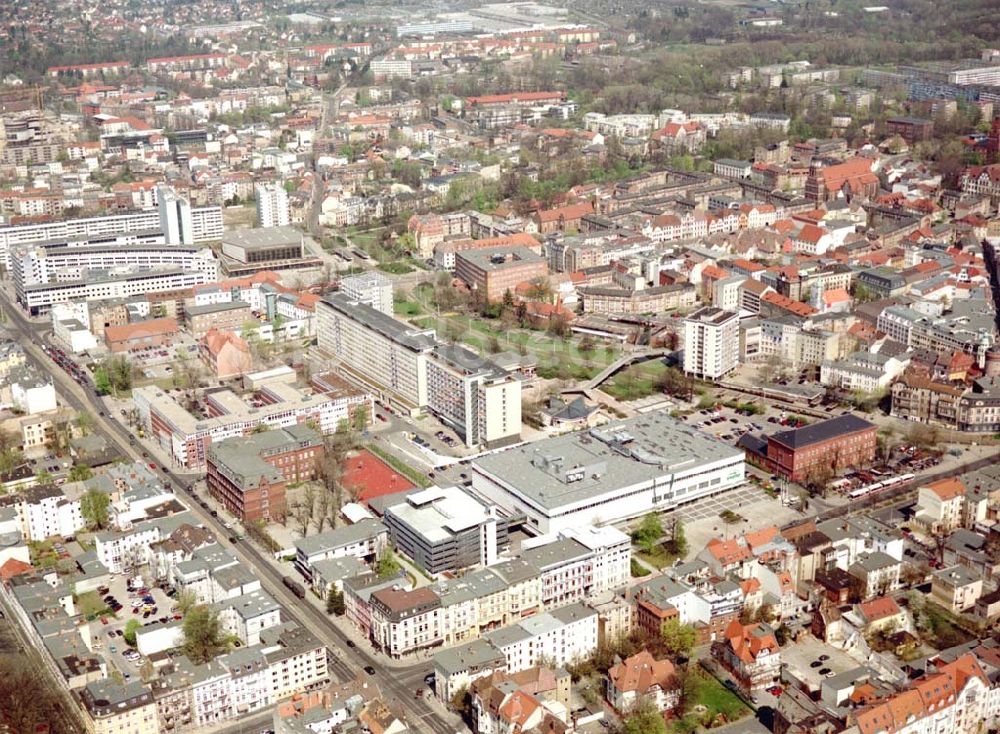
{"points": [[370, 670]]}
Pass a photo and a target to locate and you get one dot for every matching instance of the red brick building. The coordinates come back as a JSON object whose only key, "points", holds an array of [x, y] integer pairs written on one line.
{"points": [[248, 475], [911, 129], [801, 454], [494, 272]]}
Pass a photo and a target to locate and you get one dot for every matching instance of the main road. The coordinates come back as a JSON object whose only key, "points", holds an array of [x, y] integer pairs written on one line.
{"points": [[346, 662]]}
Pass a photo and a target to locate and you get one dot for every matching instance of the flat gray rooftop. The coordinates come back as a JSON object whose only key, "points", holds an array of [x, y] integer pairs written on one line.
{"points": [[589, 464]]}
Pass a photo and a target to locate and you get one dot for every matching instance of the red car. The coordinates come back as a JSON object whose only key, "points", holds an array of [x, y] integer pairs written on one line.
{"points": [[152, 466], [775, 691], [104, 620]]}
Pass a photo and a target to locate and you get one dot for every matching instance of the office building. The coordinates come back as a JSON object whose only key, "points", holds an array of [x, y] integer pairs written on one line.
{"points": [[492, 273], [711, 343], [804, 454], [38, 299], [55, 263], [249, 475], [275, 404], [364, 540], [206, 225], [608, 474], [272, 205], [446, 529]]}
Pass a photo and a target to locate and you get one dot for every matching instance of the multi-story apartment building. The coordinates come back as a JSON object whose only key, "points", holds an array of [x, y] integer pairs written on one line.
{"points": [[557, 638], [478, 399], [45, 511], [983, 180], [711, 343], [405, 621], [751, 653], [371, 288], [114, 707], [409, 368], [376, 350], [272, 205], [609, 300], [248, 475]]}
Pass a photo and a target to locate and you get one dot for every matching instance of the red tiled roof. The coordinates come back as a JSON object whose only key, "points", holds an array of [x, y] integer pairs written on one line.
{"points": [[880, 608], [14, 567]]}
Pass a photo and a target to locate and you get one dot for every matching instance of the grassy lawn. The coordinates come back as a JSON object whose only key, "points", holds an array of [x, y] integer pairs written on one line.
{"points": [[92, 606], [396, 268], [720, 704], [42, 554], [407, 308], [556, 357], [660, 556], [638, 381]]}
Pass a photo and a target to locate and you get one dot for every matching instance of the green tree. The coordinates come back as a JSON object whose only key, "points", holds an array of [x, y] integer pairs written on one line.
{"points": [[79, 473], [84, 422], [94, 509], [388, 564], [678, 638], [204, 637], [649, 532], [131, 627], [679, 541], [10, 453], [644, 719], [335, 602], [186, 601]]}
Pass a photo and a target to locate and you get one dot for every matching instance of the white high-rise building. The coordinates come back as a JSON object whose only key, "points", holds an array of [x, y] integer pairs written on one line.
{"points": [[711, 343], [372, 289], [272, 205], [175, 217]]}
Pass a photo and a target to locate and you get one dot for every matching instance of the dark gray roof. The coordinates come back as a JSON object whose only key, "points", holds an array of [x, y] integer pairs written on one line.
{"points": [[822, 431]]}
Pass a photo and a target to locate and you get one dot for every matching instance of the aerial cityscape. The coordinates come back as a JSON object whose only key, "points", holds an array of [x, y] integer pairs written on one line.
{"points": [[545, 367]]}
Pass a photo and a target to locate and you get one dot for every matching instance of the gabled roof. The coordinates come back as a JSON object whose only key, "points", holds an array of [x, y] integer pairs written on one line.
{"points": [[642, 672], [947, 489], [823, 431]]}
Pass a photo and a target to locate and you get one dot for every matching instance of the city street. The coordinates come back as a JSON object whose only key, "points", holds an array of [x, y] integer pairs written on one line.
{"points": [[345, 662]]}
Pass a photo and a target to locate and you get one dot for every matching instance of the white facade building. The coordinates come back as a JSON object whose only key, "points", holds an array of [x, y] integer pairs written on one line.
{"points": [[621, 470], [555, 638], [272, 205], [711, 343], [371, 288]]}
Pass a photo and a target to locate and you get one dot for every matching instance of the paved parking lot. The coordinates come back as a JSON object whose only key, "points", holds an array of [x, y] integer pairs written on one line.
{"points": [[113, 645]]}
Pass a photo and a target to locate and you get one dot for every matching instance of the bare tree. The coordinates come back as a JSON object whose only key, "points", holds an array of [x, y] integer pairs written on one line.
{"points": [[322, 510]]}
